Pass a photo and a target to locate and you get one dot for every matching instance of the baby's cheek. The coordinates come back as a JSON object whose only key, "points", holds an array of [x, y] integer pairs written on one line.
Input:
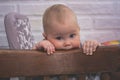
{"points": [[77, 45], [58, 46]]}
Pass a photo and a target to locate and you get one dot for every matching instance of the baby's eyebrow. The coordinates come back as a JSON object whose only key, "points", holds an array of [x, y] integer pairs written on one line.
{"points": [[58, 34], [61, 34]]}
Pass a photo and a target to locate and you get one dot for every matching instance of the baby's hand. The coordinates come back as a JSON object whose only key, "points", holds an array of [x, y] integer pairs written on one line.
{"points": [[46, 45], [90, 46]]}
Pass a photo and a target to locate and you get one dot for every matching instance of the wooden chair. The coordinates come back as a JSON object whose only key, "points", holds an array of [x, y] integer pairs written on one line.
{"points": [[29, 63]]}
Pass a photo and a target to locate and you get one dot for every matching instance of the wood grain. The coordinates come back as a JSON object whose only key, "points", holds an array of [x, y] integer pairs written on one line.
{"points": [[38, 63]]}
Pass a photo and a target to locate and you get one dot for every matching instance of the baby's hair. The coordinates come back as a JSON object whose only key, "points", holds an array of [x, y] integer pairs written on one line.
{"points": [[60, 13]]}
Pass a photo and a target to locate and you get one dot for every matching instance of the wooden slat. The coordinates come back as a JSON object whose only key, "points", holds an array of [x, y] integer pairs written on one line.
{"points": [[115, 75], [64, 77], [35, 63], [46, 78], [106, 76], [82, 77]]}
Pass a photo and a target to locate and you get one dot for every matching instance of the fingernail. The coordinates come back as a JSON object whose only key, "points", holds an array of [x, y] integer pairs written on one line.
{"points": [[91, 53], [48, 53]]}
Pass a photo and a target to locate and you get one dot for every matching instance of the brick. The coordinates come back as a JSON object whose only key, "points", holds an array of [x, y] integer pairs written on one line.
{"points": [[85, 22], [117, 8], [117, 33], [36, 24], [107, 23], [38, 36], [33, 9], [6, 8], [3, 40], [2, 28], [93, 8], [78, 0], [101, 36]]}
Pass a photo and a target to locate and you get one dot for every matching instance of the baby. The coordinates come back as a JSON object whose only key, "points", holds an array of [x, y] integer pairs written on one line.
{"points": [[61, 31]]}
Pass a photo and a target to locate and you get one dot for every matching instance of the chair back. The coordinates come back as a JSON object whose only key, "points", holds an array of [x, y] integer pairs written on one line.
{"points": [[63, 65], [18, 31]]}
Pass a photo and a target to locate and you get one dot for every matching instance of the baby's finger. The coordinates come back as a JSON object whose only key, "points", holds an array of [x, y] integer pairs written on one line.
{"points": [[87, 51], [50, 49], [90, 51], [94, 48], [88, 47], [95, 45], [53, 49], [85, 46]]}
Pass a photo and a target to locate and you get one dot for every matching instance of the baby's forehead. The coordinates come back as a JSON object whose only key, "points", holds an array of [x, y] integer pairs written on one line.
{"points": [[62, 33]]}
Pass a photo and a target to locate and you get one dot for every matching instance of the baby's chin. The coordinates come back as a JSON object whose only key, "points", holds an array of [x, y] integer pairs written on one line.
{"points": [[67, 48]]}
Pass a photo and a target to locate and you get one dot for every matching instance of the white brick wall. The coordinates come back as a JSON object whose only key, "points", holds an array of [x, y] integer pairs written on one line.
{"points": [[98, 19]]}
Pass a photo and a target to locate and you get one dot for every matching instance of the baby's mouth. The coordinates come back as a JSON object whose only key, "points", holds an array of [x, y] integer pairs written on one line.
{"points": [[68, 47]]}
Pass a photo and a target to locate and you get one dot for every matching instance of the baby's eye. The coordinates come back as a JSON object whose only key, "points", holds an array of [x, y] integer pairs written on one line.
{"points": [[59, 38], [72, 35]]}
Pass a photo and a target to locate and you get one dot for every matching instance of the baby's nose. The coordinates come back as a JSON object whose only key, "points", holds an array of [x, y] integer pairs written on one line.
{"points": [[67, 43]]}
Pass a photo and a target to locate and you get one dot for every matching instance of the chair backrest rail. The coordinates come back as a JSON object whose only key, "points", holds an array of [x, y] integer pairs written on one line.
{"points": [[38, 63]]}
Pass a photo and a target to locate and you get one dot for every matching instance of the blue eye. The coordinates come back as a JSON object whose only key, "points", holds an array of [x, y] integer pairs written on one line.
{"points": [[59, 38], [72, 35]]}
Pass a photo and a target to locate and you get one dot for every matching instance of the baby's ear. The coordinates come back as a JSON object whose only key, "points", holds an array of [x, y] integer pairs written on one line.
{"points": [[44, 35]]}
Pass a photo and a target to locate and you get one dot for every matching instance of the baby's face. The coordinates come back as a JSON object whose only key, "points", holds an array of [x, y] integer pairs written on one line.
{"points": [[64, 36]]}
